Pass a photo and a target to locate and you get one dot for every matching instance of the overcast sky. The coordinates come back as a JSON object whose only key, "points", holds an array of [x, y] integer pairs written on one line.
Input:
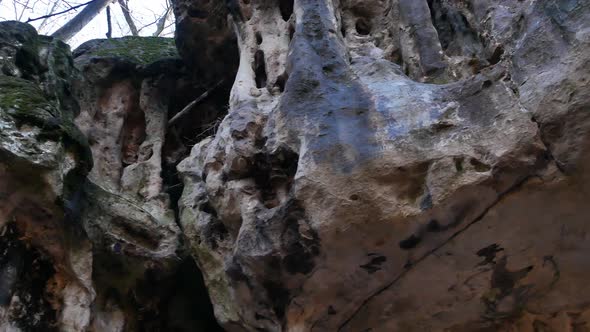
{"points": [[144, 12]]}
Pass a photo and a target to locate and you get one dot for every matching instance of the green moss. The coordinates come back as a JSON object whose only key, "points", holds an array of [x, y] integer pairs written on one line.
{"points": [[26, 104], [142, 50], [24, 100]]}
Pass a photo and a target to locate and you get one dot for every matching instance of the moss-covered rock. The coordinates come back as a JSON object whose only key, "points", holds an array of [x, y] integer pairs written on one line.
{"points": [[40, 59], [24, 99], [18, 49], [25, 103], [35, 89], [139, 50]]}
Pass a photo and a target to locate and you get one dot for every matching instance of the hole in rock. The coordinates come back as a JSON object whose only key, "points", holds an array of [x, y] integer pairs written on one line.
{"points": [[282, 81], [299, 241], [291, 31], [458, 164], [133, 132], [363, 27], [258, 38], [286, 8], [497, 55], [396, 57], [374, 265], [260, 69], [434, 226], [409, 242], [479, 166], [342, 29]]}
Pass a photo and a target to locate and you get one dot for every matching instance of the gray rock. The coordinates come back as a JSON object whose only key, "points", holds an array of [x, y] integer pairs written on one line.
{"points": [[46, 259], [370, 169]]}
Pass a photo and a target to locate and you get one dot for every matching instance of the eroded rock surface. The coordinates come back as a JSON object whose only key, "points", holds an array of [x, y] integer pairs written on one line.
{"points": [[45, 259], [390, 165], [381, 165], [98, 248], [128, 90]]}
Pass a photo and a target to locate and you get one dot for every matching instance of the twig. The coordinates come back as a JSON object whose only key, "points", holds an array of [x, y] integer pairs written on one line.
{"points": [[59, 13], [25, 7], [210, 130], [53, 8], [188, 107]]}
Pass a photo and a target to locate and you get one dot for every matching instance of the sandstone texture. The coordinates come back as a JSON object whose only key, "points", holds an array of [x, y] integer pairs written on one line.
{"points": [[374, 165]]}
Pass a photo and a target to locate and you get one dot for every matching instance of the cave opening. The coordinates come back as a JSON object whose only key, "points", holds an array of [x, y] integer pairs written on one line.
{"points": [[286, 9], [154, 298], [25, 276]]}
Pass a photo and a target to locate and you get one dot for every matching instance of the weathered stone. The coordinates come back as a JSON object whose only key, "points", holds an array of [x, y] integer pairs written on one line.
{"points": [[103, 252], [128, 88], [362, 145], [385, 165], [46, 261]]}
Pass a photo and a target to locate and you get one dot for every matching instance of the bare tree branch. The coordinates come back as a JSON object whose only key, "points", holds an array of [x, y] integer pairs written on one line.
{"points": [[22, 12], [15, 10], [59, 13], [190, 105], [79, 21], [126, 13], [149, 24], [51, 11], [162, 22]]}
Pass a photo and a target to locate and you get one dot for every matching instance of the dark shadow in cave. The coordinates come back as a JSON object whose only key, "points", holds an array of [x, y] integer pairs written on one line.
{"points": [[156, 299]]}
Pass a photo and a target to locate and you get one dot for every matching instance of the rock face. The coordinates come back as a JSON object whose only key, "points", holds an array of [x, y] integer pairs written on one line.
{"points": [[93, 248], [45, 262], [396, 165], [382, 165]]}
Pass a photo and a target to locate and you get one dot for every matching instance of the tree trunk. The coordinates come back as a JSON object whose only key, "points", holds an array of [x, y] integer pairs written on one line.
{"points": [[125, 9], [70, 29]]}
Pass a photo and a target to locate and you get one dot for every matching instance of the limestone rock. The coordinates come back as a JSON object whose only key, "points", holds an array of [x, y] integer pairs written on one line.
{"points": [[388, 165], [46, 259], [382, 165], [93, 249], [129, 88]]}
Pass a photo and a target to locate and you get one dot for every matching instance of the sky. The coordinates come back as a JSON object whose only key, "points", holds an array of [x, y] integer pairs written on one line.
{"points": [[144, 12]]}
